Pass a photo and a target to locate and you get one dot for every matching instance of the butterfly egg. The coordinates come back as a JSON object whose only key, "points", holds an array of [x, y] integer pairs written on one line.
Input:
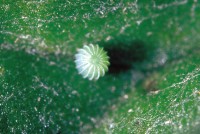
{"points": [[91, 62]]}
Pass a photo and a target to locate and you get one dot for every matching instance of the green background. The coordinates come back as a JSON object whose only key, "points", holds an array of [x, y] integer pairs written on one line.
{"points": [[153, 83]]}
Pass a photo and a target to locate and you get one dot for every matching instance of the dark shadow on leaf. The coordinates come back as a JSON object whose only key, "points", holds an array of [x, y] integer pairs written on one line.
{"points": [[124, 54]]}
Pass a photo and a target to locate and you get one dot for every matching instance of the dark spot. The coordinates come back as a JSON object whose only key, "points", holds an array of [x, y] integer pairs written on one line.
{"points": [[137, 122], [124, 54]]}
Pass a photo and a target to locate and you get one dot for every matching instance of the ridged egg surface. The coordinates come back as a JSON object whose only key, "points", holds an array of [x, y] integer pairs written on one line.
{"points": [[92, 61]]}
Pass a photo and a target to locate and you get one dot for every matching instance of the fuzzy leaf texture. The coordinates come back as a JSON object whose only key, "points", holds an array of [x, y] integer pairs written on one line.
{"points": [[152, 84]]}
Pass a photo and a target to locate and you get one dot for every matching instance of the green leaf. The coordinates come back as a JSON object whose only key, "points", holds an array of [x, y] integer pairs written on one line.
{"points": [[153, 80], [169, 102]]}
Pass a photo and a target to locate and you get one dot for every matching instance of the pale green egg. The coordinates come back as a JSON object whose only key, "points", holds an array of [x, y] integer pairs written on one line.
{"points": [[92, 61]]}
